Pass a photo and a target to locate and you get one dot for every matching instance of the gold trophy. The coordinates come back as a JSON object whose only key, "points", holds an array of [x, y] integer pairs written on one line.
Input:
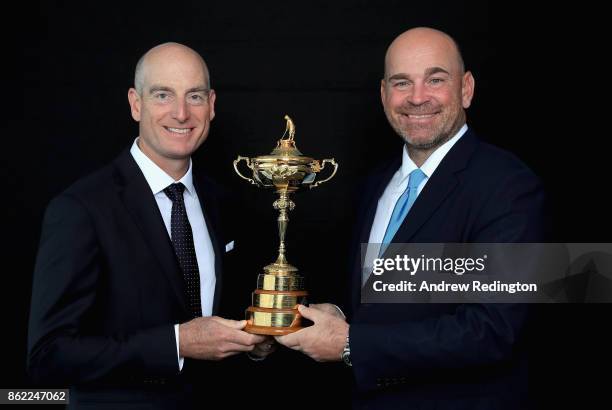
{"points": [[280, 289]]}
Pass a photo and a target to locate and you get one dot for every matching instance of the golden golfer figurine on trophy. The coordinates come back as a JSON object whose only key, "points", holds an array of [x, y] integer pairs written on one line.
{"points": [[280, 289]]}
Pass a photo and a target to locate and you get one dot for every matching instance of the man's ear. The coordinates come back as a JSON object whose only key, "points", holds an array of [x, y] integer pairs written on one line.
{"points": [[467, 89], [135, 103], [383, 93], [212, 97]]}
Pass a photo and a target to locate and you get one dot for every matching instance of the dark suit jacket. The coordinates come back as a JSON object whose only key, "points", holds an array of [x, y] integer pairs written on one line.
{"points": [[447, 355], [108, 290]]}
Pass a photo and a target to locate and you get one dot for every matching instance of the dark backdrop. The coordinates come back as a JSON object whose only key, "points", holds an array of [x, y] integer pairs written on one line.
{"points": [[321, 63]]}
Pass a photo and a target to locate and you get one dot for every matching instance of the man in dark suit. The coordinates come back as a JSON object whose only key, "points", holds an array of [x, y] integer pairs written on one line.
{"points": [[447, 186], [128, 274]]}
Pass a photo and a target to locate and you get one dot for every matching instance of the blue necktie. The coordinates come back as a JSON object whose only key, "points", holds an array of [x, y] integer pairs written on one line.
{"points": [[402, 206]]}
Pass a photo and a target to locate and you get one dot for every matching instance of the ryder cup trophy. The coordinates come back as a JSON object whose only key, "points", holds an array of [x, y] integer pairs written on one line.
{"points": [[280, 289]]}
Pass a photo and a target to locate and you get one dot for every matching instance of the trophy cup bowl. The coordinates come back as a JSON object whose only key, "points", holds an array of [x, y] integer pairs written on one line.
{"points": [[280, 288]]}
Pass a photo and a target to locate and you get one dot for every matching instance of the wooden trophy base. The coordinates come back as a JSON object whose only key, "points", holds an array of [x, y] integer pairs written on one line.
{"points": [[273, 322], [270, 331]]}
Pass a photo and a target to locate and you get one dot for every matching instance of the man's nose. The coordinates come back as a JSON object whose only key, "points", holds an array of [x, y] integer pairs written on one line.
{"points": [[418, 95], [181, 111]]}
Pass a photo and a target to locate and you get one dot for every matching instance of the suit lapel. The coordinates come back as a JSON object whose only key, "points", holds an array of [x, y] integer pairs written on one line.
{"points": [[439, 187], [136, 194], [373, 189], [208, 203]]}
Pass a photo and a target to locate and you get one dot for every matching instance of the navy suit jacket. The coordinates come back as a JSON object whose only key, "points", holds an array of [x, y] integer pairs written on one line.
{"points": [[448, 355], [108, 289]]}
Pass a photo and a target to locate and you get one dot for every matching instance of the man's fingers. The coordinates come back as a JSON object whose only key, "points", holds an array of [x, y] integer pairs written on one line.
{"points": [[234, 324], [311, 313], [328, 308], [236, 334], [269, 339], [233, 348], [256, 339], [244, 338], [292, 340], [323, 307], [241, 336]]}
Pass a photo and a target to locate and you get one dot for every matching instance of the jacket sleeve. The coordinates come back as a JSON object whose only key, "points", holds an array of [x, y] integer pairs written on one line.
{"points": [[66, 276]]}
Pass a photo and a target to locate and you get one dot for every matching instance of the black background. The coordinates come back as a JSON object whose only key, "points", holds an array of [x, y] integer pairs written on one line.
{"points": [[321, 63]]}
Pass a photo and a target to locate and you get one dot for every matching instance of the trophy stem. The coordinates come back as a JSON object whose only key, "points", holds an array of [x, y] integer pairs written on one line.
{"points": [[284, 205]]}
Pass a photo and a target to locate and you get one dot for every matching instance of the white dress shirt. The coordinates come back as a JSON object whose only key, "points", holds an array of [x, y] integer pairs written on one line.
{"points": [[158, 180], [396, 188]]}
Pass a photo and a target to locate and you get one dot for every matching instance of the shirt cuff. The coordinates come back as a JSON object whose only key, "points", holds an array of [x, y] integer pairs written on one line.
{"points": [[181, 360]]}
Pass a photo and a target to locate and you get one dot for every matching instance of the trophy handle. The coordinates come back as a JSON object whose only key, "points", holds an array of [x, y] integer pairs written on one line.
{"points": [[335, 164], [248, 163]]}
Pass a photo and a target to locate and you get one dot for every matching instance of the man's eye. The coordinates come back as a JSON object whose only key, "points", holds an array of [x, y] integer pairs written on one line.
{"points": [[436, 81], [197, 98], [161, 96], [401, 84]]}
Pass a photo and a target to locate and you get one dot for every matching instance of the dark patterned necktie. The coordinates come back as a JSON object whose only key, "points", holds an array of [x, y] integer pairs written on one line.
{"points": [[182, 239]]}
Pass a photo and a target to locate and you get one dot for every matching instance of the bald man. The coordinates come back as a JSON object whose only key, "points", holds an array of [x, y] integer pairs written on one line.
{"points": [[128, 273], [437, 355]]}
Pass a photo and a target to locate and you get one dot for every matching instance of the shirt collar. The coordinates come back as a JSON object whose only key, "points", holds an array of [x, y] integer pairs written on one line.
{"points": [[434, 159], [156, 177]]}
